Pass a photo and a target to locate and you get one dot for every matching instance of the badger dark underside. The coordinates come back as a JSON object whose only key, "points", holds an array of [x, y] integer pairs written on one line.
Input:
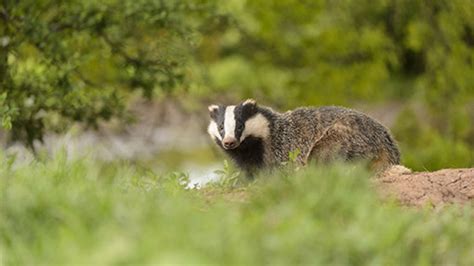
{"points": [[248, 155]]}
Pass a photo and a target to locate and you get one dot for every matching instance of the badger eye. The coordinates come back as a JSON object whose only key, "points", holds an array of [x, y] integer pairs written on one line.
{"points": [[221, 127], [240, 127]]}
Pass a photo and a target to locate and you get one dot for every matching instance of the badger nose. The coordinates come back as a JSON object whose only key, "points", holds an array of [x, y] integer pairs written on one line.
{"points": [[229, 142]]}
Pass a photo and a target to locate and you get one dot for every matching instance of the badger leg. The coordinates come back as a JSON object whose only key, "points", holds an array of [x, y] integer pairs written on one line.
{"points": [[333, 144], [380, 162], [341, 142]]}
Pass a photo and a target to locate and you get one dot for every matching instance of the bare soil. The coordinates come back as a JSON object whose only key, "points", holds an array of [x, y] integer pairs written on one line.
{"points": [[436, 189]]}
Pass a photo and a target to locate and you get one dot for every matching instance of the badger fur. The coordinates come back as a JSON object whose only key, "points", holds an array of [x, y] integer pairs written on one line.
{"points": [[258, 137]]}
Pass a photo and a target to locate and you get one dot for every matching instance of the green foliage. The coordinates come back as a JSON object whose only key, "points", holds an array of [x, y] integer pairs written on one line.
{"points": [[84, 212], [228, 175], [75, 61], [293, 155], [425, 148], [6, 112], [342, 52]]}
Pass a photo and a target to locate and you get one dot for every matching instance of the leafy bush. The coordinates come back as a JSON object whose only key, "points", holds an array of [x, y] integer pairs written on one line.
{"points": [[75, 61], [60, 211]]}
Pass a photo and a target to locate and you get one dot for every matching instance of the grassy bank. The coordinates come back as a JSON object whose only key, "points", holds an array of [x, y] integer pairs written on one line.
{"points": [[86, 212]]}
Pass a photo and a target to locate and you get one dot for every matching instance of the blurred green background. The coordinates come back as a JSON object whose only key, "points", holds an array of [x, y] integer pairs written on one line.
{"points": [[63, 62], [129, 78]]}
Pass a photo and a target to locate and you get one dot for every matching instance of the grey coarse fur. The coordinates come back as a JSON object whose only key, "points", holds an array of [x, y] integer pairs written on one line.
{"points": [[327, 133], [321, 134]]}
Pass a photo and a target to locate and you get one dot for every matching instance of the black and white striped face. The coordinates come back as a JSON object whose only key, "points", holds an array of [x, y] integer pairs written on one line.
{"points": [[231, 124]]}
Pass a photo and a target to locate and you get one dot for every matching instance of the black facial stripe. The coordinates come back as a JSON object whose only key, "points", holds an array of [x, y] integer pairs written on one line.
{"points": [[242, 113], [239, 121], [219, 119]]}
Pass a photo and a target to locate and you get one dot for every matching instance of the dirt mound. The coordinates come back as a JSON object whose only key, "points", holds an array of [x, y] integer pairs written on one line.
{"points": [[438, 188]]}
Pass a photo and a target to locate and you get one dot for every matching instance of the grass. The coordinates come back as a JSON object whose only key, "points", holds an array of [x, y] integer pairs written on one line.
{"points": [[57, 211]]}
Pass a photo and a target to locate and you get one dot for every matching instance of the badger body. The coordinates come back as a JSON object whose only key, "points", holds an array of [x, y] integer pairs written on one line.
{"points": [[257, 137]]}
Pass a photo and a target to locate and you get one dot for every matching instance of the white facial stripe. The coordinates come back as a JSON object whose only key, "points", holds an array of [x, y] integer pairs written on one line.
{"points": [[214, 131], [257, 126], [229, 122]]}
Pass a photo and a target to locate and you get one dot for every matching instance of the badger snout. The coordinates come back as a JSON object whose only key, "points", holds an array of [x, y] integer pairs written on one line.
{"points": [[230, 143]]}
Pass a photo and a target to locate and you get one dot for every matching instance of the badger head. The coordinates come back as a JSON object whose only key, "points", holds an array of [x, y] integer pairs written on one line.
{"points": [[231, 125]]}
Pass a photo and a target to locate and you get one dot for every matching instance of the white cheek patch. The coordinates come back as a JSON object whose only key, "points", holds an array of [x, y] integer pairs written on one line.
{"points": [[214, 131], [257, 126], [229, 121]]}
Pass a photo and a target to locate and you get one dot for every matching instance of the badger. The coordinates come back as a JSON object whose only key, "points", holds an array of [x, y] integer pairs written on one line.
{"points": [[257, 137]]}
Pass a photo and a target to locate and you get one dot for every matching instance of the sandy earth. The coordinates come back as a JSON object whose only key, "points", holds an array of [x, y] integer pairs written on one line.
{"points": [[436, 189]]}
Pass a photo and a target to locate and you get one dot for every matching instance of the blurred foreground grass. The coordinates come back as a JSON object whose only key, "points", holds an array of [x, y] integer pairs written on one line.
{"points": [[57, 211]]}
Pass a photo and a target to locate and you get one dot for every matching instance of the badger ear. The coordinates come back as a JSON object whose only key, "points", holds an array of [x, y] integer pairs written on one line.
{"points": [[213, 111], [213, 108], [250, 102], [249, 107]]}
